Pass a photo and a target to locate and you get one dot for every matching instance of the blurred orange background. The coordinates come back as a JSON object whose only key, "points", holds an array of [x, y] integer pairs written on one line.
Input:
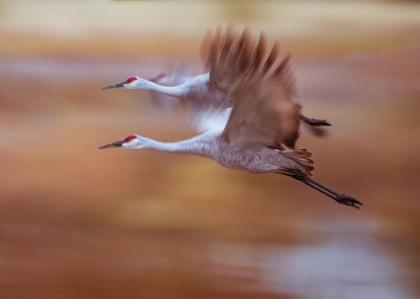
{"points": [[78, 223]]}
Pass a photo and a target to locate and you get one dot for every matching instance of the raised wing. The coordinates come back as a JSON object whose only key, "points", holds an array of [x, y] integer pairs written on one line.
{"points": [[263, 112], [231, 55]]}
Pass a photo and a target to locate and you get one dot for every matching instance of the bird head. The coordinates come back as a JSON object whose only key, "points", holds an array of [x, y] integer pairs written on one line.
{"points": [[131, 83], [130, 142]]}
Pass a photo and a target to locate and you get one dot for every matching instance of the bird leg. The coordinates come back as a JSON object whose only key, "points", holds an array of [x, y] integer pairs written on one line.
{"points": [[340, 198], [314, 122]]}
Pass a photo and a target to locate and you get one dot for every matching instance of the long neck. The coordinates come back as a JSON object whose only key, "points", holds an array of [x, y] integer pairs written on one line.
{"points": [[173, 91], [202, 145]]}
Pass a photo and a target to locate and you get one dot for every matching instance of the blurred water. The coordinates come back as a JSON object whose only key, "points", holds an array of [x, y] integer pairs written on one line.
{"points": [[341, 267], [349, 263], [78, 224]]}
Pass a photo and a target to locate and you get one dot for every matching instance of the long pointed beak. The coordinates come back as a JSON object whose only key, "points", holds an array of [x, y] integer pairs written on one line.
{"points": [[115, 85], [114, 144]]}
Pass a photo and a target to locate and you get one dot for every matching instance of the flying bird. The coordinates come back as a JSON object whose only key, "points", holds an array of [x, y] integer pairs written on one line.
{"points": [[261, 131], [204, 97]]}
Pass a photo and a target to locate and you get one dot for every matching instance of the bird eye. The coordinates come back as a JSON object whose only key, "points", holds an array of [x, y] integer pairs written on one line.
{"points": [[131, 79], [129, 138]]}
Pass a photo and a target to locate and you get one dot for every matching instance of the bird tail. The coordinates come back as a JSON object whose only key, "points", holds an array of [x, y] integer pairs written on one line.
{"points": [[301, 156]]}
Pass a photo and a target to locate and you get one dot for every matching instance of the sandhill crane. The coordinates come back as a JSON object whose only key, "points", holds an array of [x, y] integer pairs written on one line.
{"points": [[211, 92], [260, 134]]}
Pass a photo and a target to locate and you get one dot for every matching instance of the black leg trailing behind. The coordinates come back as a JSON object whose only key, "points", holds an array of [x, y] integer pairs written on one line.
{"points": [[340, 198]]}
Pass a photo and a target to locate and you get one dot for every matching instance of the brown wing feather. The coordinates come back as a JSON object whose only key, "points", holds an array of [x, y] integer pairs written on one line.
{"points": [[263, 87], [263, 113], [231, 55]]}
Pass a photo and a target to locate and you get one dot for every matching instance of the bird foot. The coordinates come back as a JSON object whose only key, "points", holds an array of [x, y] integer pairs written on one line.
{"points": [[348, 200]]}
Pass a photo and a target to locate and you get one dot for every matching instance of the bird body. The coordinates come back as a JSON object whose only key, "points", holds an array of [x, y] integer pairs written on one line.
{"points": [[212, 145], [294, 163]]}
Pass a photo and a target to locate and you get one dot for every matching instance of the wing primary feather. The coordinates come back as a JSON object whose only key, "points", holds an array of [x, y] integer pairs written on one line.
{"points": [[259, 53], [271, 58], [282, 65]]}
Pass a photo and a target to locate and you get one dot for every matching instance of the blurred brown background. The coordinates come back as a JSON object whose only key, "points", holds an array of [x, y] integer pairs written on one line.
{"points": [[78, 223]]}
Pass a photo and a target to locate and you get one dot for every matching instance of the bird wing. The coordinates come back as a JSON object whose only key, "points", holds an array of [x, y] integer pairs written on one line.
{"points": [[230, 55], [199, 115], [263, 112]]}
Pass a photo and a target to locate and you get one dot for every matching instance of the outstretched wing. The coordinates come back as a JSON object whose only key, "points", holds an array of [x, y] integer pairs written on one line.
{"points": [[264, 113], [231, 55]]}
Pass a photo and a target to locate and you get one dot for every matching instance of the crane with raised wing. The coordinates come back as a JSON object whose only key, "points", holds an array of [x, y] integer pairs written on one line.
{"points": [[205, 96], [262, 129]]}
